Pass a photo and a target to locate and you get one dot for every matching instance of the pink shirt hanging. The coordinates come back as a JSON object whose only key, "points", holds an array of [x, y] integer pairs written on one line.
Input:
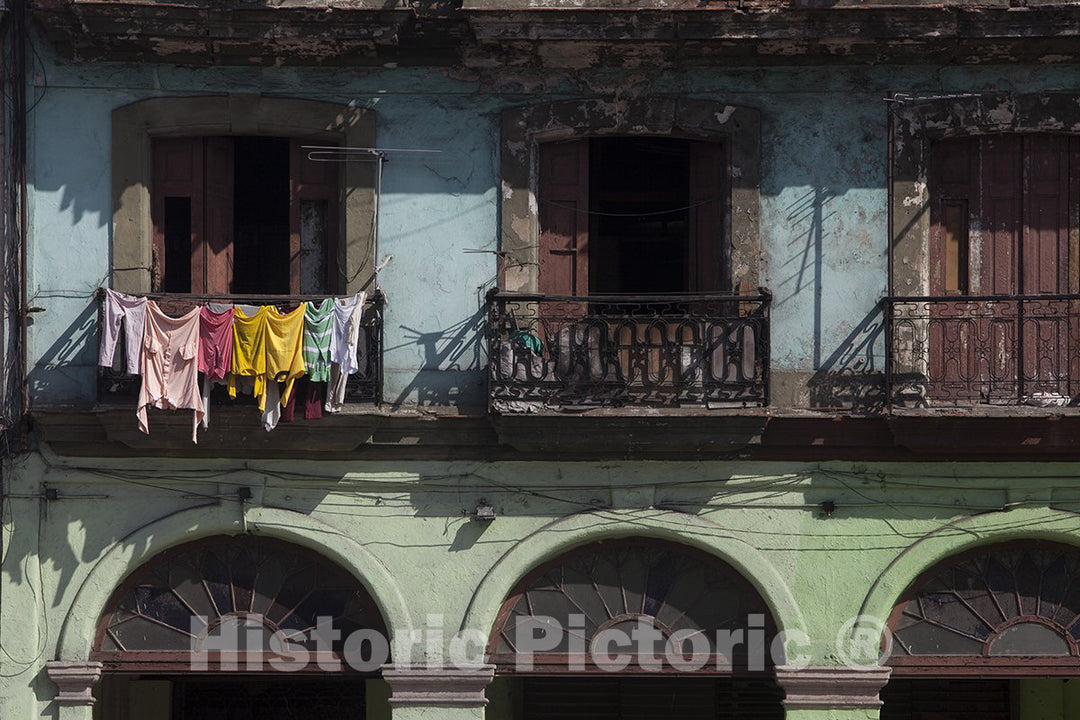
{"points": [[170, 365], [215, 343]]}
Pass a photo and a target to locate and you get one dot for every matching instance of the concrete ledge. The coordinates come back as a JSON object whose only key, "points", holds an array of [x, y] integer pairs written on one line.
{"points": [[438, 687], [831, 687]]}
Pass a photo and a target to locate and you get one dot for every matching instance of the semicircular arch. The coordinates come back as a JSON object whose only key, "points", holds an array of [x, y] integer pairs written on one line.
{"points": [[128, 554], [563, 535]]}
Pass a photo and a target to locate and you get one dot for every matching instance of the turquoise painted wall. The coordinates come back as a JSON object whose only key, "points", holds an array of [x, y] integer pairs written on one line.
{"points": [[823, 212]]}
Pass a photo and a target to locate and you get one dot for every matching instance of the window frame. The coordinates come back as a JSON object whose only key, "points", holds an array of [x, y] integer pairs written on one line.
{"points": [[525, 128], [135, 125]]}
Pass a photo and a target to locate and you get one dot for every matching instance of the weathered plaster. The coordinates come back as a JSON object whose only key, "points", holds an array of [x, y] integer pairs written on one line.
{"points": [[562, 535], [525, 128], [134, 127]]}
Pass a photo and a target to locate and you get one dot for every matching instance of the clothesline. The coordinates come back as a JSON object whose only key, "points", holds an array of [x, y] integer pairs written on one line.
{"points": [[235, 343], [375, 297]]}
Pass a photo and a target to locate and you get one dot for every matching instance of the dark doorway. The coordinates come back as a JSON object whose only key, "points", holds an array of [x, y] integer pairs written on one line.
{"points": [[639, 200]]}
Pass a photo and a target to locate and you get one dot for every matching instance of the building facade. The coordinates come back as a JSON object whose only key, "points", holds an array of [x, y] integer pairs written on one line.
{"points": [[740, 332]]}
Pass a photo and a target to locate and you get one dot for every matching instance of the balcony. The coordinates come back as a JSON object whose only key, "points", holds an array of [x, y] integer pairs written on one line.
{"points": [[115, 386], [654, 351], [984, 352]]}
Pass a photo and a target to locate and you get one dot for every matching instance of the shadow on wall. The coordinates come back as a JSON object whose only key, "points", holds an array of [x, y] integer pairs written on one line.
{"points": [[66, 372], [850, 379], [452, 365], [807, 255]]}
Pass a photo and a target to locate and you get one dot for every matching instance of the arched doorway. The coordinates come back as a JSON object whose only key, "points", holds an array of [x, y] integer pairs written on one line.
{"points": [[634, 628], [232, 628], [971, 636]]}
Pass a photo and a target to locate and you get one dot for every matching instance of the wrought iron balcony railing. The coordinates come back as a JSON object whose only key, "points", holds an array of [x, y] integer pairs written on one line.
{"points": [[706, 350], [965, 350], [115, 385]]}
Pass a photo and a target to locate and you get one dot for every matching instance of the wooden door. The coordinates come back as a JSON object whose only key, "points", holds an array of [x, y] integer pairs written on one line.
{"points": [[1000, 226]]}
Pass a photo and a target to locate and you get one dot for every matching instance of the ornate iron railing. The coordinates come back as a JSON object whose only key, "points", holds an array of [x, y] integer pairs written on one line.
{"points": [[706, 350], [116, 385], [964, 350]]}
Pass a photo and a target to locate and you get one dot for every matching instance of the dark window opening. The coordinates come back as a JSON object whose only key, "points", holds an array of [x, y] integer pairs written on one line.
{"points": [[277, 699], [640, 220], [243, 215], [261, 215], [632, 215], [638, 698], [177, 245]]}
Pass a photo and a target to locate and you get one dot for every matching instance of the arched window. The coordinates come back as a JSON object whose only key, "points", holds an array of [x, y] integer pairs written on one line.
{"points": [[657, 605], [1011, 609], [228, 602]]}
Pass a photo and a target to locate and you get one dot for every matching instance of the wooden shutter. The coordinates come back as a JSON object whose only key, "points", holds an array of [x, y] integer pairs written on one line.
{"points": [[176, 173], [314, 220], [1001, 207], [215, 251], [564, 219], [1046, 214], [707, 256], [954, 197]]}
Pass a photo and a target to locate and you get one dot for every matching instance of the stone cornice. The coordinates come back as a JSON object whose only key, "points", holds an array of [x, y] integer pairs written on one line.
{"points": [[831, 687], [445, 687]]}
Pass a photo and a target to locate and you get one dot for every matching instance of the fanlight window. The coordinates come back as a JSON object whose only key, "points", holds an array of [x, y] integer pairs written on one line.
{"points": [[699, 605], [196, 597], [997, 606]]}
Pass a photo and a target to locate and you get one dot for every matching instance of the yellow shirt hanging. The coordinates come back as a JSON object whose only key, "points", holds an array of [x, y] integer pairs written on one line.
{"points": [[284, 349], [249, 351]]}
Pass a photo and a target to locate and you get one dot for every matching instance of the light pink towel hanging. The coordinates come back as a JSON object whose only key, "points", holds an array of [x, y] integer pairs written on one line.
{"points": [[170, 365]]}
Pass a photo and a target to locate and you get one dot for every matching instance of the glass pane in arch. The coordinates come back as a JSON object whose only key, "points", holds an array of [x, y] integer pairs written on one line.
{"points": [[1005, 606]]}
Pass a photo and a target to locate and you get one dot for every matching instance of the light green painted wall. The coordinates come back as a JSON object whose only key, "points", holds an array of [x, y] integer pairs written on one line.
{"points": [[1047, 699], [401, 527]]}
